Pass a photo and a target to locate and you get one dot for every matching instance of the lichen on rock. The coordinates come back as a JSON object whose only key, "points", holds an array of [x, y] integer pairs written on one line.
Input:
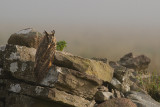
{"points": [[15, 88], [14, 67]]}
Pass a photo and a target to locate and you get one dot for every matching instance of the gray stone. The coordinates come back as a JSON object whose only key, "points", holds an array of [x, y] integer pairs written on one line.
{"points": [[138, 63], [26, 37], [142, 99], [103, 96], [116, 83]]}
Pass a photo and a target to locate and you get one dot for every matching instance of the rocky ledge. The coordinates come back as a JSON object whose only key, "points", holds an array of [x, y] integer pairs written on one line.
{"points": [[72, 81]]}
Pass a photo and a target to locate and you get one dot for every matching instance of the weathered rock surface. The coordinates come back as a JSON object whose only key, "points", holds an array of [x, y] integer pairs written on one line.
{"points": [[117, 102], [19, 61], [91, 67], [138, 63], [26, 37], [142, 99]]}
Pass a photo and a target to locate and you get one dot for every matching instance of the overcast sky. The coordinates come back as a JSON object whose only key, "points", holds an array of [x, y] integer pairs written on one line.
{"points": [[75, 19], [103, 28], [78, 15]]}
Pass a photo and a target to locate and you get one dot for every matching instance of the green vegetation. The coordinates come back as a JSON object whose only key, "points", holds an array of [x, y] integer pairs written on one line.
{"points": [[152, 86], [61, 45]]}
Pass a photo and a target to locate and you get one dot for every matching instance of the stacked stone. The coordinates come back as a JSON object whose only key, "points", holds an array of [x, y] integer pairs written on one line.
{"points": [[72, 81]]}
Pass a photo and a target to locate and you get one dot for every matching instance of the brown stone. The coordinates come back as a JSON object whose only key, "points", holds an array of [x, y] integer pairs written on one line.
{"points": [[95, 68]]}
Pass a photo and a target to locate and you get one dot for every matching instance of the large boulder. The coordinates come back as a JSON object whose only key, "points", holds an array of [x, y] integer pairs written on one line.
{"points": [[142, 99], [91, 67], [137, 63], [117, 102], [26, 37]]}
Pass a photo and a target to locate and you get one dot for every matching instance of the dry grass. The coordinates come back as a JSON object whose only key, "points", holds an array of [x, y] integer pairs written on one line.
{"points": [[152, 85]]}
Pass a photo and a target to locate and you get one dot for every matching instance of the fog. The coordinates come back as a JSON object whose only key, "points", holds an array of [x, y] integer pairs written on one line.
{"points": [[91, 28]]}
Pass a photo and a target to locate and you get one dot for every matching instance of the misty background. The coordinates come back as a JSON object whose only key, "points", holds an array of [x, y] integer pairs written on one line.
{"points": [[92, 28]]}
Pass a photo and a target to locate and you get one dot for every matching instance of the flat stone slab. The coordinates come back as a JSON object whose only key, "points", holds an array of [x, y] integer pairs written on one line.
{"points": [[49, 94], [91, 67], [142, 99]]}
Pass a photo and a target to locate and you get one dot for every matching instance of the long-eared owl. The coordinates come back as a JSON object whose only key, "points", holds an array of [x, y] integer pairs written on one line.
{"points": [[45, 55]]}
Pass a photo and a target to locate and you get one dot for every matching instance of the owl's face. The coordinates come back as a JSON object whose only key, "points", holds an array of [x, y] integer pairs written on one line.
{"points": [[50, 37]]}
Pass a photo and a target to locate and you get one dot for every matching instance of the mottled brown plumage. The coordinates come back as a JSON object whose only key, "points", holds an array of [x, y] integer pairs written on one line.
{"points": [[45, 55]]}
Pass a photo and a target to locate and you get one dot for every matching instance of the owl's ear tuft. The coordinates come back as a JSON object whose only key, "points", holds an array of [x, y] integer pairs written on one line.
{"points": [[53, 32], [45, 33]]}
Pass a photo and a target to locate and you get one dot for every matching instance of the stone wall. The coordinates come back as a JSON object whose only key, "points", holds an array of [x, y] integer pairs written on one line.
{"points": [[72, 81]]}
